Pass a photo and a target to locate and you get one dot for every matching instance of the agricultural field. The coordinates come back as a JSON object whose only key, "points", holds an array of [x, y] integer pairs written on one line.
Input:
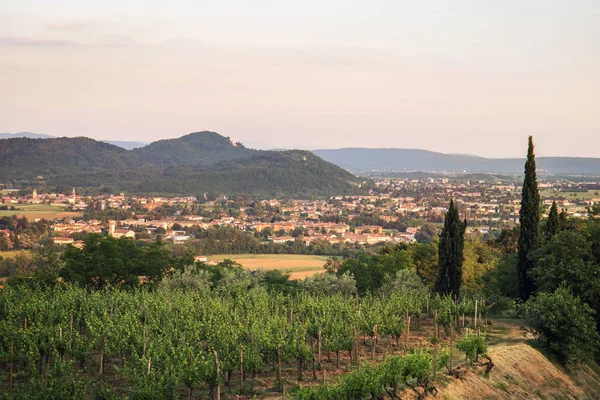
{"points": [[11, 254], [39, 211], [300, 266], [572, 196]]}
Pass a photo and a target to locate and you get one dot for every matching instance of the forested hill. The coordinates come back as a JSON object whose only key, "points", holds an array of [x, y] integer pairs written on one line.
{"points": [[24, 158], [196, 163], [363, 159], [202, 148]]}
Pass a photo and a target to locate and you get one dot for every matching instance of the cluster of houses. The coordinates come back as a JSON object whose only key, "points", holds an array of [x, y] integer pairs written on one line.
{"points": [[485, 204]]}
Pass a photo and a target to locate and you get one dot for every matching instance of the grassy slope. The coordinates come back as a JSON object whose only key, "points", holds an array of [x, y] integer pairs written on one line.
{"points": [[522, 371]]}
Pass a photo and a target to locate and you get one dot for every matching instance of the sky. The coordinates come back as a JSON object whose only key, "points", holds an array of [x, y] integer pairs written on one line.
{"points": [[453, 76]]}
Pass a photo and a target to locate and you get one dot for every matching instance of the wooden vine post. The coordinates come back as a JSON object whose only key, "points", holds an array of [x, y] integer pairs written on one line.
{"points": [[475, 317], [374, 342], [279, 380], [217, 374], [144, 334], [241, 367], [407, 328], [451, 345], [319, 346], [435, 343], [10, 371]]}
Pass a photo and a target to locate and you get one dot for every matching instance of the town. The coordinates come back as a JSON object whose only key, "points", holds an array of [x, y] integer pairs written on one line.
{"points": [[394, 210]]}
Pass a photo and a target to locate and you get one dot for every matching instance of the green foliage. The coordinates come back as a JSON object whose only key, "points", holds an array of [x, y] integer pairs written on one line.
{"points": [[199, 148], [106, 261], [373, 381], [529, 220], [500, 287], [564, 324], [22, 158], [479, 259], [450, 251], [572, 258], [191, 278], [196, 163], [371, 271], [62, 383], [405, 281], [472, 345], [329, 284], [553, 222]]}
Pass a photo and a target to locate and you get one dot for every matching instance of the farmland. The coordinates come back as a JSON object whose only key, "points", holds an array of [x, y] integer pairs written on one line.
{"points": [[11, 254], [572, 196], [39, 211], [300, 266]]}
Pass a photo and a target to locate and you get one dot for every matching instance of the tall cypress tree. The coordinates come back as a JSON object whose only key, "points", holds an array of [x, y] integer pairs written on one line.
{"points": [[450, 251], [529, 220], [553, 223]]}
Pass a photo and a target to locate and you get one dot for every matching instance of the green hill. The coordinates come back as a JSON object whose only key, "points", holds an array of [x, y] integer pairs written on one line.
{"points": [[24, 158], [196, 163], [200, 148]]}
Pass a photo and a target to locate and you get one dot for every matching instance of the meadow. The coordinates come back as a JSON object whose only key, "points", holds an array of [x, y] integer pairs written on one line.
{"points": [[573, 196], [39, 211]]}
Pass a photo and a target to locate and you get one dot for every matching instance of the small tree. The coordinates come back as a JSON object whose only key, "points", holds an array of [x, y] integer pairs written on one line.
{"points": [[564, 324]]}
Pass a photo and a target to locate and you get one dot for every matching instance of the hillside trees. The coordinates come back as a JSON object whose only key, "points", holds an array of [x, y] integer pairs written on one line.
{"points": [[106, 261], [572, 258], [564, 324], [450, 252]]}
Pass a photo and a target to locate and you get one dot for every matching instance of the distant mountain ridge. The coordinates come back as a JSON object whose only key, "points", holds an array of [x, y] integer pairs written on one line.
{"points": [[366, 159], [29, 135], [196, 163], [128, 145]]}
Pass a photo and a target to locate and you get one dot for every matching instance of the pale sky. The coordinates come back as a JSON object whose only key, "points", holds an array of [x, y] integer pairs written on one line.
{"points": [[452, 76]]}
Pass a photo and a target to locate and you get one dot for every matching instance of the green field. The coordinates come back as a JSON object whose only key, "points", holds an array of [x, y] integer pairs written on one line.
{"points": [[574, 196], [35, 211]]}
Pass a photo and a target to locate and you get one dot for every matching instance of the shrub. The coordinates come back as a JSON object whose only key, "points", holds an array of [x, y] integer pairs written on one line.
{"points": [[564, 324], [472, 345]]}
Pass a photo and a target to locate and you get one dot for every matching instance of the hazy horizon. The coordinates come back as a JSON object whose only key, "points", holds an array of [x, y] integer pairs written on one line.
{"points": [[463, 77]]}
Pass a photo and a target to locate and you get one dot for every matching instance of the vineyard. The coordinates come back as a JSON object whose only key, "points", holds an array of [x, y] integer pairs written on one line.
{"points": [[68, 342]]}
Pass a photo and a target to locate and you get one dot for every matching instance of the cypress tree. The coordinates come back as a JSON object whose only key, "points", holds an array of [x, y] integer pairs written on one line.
{"points": [[553, 223], [450, 251], [529, 220], [563, 219]]}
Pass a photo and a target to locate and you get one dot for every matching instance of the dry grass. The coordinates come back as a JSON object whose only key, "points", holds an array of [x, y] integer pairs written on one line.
{"points": [[11, 254], [300, 266], [521, 372], [296, 275]]}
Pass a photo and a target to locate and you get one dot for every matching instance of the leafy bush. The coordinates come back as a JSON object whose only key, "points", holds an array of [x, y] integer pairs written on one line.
{"points": [[411, 371], [564, 324], [404, 281], [472, 345]]}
